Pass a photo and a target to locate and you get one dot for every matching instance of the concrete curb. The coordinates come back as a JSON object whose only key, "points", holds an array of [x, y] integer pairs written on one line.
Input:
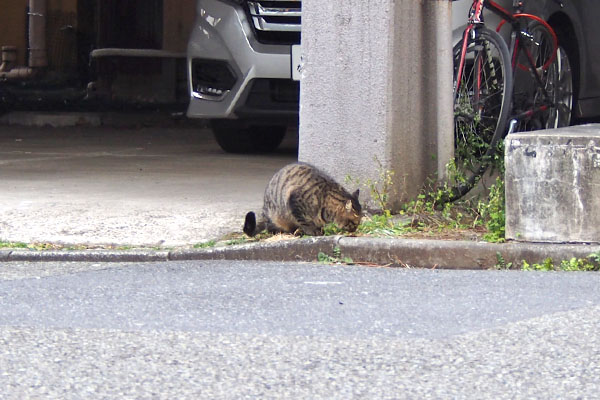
{"points": [[456, 254], [398, 252], [285, 250], [84, 255]]}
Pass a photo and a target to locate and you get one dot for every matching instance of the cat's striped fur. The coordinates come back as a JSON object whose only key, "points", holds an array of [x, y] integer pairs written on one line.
{"points": [[299, 197]]}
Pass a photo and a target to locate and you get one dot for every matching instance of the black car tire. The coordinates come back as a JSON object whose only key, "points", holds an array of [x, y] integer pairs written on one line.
{"points": [[242, 138], [568, 42]]}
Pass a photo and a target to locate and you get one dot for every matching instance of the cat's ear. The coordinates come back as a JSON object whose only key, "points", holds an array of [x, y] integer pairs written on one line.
{"points": [[349, 205], [356, 193]]}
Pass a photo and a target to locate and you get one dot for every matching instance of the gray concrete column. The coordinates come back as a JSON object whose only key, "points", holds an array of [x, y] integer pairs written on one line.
{"points": [[376, 87]]}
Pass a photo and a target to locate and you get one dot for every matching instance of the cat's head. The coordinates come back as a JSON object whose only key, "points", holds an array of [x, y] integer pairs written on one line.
{"points": [[348, 217]]}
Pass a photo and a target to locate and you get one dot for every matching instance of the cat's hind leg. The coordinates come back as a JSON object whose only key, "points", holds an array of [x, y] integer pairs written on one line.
{"points": [[300, 214]]}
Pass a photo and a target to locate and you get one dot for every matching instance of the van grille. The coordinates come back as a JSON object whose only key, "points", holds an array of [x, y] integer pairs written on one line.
{"points": [[276, 21]]}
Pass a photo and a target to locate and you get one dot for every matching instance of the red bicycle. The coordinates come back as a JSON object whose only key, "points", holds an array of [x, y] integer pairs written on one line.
{"points": [[494, 85]]}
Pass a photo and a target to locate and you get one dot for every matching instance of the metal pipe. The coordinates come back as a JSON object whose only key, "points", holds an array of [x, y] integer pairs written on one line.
{"points": [[17, 73], [37, 34], [37, 54], [9, 57]]}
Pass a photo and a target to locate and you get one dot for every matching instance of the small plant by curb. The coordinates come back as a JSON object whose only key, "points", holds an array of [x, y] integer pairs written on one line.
{"points": [[13, 245], [572, 264], [590, 263], [430, 215], [336, 258], [39, 246], [205, 245]]}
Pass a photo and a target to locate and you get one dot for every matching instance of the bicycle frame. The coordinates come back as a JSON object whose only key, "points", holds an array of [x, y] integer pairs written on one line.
{"points": [[518, 38], [475, 20], [484, 93]]}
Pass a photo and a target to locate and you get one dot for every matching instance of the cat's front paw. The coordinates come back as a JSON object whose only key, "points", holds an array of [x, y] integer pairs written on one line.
{"points": [[313, 231]]}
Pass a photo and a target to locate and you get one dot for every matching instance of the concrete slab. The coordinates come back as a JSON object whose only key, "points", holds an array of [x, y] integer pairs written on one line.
{"points": [[168, 186]]}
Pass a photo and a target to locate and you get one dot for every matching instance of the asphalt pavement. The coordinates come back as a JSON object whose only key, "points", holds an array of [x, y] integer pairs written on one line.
{"points": [[223, 330]]}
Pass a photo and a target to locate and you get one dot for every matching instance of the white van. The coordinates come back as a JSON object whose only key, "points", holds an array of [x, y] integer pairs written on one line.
{"points": [[242, 56]]}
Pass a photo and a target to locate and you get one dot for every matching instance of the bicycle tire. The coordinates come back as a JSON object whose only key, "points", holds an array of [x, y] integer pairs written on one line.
{"points": [[481, 106]]}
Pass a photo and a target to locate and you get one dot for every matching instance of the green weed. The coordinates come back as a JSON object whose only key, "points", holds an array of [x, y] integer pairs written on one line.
{"points": [[335, 258], [331, 229], [493, 212], [37, 246], [233, 242], [592, 263], [383, 225], [381, 189], [13, 245], [205, 245], [501, 262]]}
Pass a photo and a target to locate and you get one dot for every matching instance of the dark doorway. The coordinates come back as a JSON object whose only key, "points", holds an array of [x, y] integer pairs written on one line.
{"points": [[87, 33], [133, 24]]}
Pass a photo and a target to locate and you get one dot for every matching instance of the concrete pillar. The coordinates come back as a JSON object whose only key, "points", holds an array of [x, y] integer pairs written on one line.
{"points": [[376, 87]]}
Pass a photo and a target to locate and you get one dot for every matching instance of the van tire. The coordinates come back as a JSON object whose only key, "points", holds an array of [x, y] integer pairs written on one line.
{"points": [[241, 138]]}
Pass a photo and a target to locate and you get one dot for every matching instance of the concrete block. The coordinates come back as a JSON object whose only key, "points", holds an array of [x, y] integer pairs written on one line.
{"points": [[553, 185]]}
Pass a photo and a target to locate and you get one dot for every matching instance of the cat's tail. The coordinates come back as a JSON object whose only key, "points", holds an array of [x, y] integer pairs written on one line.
{"points": [[251, 227]]}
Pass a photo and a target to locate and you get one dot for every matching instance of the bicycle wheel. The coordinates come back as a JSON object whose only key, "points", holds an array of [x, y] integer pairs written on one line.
{"points": [[543, 95], [481, 106]]}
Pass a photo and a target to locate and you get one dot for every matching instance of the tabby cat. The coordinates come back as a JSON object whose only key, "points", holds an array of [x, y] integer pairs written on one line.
{"points": [[299, 197]]}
